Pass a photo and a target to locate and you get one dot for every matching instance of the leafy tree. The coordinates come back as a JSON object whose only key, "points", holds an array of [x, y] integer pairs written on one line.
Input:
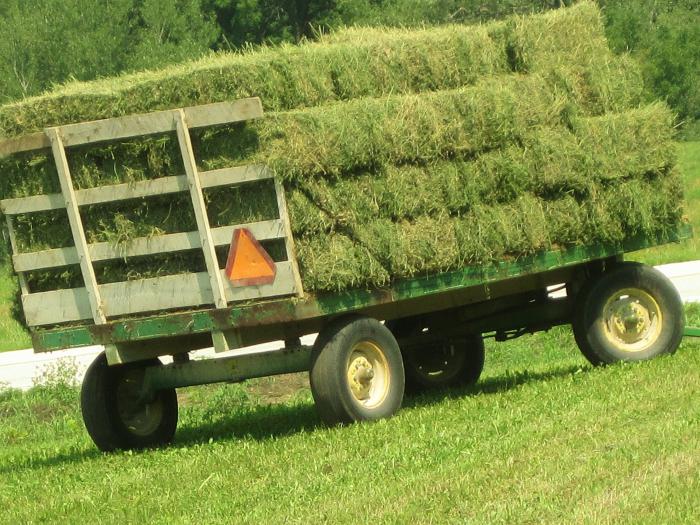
{"points": [[48, 41], [665, 38], [163, 32]]}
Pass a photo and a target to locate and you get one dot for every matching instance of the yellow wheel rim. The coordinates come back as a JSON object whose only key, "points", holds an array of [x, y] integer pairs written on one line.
{"points": [[368, 374], [632, 320]]}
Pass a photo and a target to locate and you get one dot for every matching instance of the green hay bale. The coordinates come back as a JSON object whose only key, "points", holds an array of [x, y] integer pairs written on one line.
{"points": [[285, 77], [488, 234], [348, 65], [550, 163], [570, 46], [557, 37], [366, 133], [610, 83], [405, 249], [26, 174], [334, 263], [631, 143], [305, 216]]}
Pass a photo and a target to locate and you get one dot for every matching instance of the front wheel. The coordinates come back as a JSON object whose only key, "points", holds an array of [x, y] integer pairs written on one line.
{"points": [[631, 313], [115, 413], [356, 371]]}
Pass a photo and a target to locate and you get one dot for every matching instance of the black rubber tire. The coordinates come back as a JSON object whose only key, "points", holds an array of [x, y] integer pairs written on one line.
{"points": [[330, 361], [101, 414], [465, 354], [588, 322]]}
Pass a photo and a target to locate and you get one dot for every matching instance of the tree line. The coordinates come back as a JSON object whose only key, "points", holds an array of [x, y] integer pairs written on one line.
{"points": [[45, 42]]}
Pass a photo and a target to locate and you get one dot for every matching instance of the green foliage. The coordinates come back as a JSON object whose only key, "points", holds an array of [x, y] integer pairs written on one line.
{"points": [[49, 41], [665, 38]]}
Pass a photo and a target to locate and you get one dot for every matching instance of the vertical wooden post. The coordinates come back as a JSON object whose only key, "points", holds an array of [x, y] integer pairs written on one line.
{"points": [[13, 244], [288, 239], [200, 211], [76, 225]]}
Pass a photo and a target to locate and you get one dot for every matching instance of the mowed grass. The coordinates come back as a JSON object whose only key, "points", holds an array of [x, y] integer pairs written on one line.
{"points": [[543, 438], [689, 163]]}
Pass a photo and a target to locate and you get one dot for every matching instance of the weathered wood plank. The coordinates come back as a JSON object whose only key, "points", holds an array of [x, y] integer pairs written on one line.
{"points": [[282, 285], [160, 122], [146, 295], [24, 143], [200, 211], [76, 226], [26, 262], [52, 201], [262, 231], [172, 242], [134, 190], [223, 112], [288, 238], [235, 175], [118, 128]]}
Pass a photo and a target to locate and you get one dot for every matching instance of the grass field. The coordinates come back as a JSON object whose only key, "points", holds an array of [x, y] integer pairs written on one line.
{"points": [[542, 438]]}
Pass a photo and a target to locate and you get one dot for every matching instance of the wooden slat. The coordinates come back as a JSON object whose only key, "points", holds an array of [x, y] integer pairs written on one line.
{"points": [[76, 226], [134, 125], [288, 238], [200, 211], [146, 295], [173, 242], [223, 112], [283, 285], [26, 262], [134, 190], [235, 175], [52, 201], [25, 143], [262, 231], [118, 128], [160, 122]]}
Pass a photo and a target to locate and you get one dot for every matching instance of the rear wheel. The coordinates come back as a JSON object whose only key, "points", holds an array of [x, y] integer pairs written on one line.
{"points": [[356, 371], [630, 313], [449, 363], [115, 413]]}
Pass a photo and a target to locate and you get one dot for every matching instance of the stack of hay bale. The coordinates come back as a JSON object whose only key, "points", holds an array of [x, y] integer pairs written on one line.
{"points": [[402, 153]]}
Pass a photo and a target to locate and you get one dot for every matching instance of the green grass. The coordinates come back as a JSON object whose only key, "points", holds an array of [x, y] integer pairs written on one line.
{"points": [[13, 336], [689, 162], [543, 438]]}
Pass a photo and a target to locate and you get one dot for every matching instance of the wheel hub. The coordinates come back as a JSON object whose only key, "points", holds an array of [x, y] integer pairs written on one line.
{"points": [[368, 374], [140, 417], [632, 320]]}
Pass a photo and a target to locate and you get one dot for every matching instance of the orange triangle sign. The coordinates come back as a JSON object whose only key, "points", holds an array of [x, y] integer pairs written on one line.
{"points": [[248, 263]]}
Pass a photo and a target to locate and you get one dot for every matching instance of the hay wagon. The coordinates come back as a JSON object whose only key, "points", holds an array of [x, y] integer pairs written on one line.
{"points": [[433, 325]]}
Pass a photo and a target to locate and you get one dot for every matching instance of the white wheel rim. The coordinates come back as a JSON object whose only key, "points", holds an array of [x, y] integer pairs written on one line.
{"points": [[368, 374]]}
